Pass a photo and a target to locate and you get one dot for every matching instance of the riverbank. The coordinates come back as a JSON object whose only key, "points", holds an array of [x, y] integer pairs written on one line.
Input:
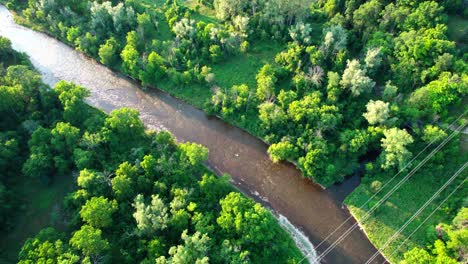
{"points": [[394, 212], [37, 200]]}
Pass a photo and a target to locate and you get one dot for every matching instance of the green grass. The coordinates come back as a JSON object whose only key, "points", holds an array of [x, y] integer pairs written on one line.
{"points": [[41, 209], [164, 31], [458, 30], [399, 207], [201, 12], [243, 68], [234, 70]]}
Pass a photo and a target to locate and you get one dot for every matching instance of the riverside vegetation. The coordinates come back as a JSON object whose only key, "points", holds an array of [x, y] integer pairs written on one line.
{"points": [[137, 196], [328, 84]]}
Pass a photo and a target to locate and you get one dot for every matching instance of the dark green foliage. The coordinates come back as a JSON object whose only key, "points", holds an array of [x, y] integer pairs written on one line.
{"points": [[140, 196], [348, 73]]}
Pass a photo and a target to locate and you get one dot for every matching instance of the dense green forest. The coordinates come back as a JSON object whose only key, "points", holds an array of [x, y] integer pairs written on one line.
{"points": [[138, 196], [348, 76], [328, 84]]}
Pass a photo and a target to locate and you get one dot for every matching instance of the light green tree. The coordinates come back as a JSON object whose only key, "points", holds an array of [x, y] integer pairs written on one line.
{"points": [[89, 241], [152, 217], [378, 112], [98, 211], [354, 78], [395, 153]]}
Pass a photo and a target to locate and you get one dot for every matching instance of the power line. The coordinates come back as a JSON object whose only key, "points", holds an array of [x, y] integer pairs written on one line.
{"points": [[388, 194], [417, 213], [427, 218], [396, 187], [393, 178]]}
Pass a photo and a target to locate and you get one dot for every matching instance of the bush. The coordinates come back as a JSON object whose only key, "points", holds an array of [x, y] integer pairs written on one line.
{"points": [[376, 186]]}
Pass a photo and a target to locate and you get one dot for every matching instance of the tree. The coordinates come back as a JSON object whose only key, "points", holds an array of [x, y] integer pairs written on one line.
{"points": [[311, 110], [439, 94], [415, 51], [123, 17], [150, 218], [93, 182], [240, 96], [271, 115], [101, 20], [333, 87], [432, 133], [301, 33], [417, 256], [365, 16], [335, 39], [395, 153], [154, 69], [185, 29], [390, 91], [393, 17], [145, 25], [64, 138], [354, 141], [283, 150], [226, 9], [285, 98], [107, 52], [314, 164], [249, 223], [98, 211], [130, 55], [72, 98], [427, 15], [123, 184], [291, 58], [378, 112], [194, 250], [373, 58], [127, 181], [194, 153], [213, 188], [123, 129], [9, 153], [40, 162], [22, 75], [39, 165], [354, 78], [89, 240], [266, 80], [46, 247], [87, 44], [215, 53], [243, 216], [12, 104]]}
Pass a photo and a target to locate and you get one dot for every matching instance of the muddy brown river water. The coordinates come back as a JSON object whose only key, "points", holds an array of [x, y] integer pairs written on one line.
{"points": [[316, 212]]}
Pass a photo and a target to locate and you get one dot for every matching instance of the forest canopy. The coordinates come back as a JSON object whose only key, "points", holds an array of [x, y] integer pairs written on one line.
{"points": [[139, 196], [335, 86]]}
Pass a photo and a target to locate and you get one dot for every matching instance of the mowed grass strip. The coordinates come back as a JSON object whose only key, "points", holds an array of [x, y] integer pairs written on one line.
{"points": [[400, 206]]}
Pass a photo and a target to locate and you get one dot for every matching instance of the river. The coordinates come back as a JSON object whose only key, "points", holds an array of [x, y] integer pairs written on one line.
{"points": [[316, 212]]}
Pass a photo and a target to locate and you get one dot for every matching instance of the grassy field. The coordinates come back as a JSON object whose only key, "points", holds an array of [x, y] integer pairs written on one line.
{"points": [[458, 31], [41, 208], [399, 207]]}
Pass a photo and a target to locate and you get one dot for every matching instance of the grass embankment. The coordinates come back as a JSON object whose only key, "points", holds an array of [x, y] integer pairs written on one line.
{"points": [[399, 207], [41, 208], [458, 31]]}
